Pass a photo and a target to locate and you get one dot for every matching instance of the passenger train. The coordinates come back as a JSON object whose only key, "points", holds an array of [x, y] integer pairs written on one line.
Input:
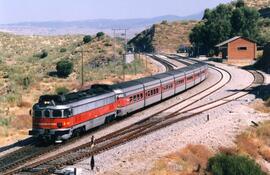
{"points": [[59, 117]]}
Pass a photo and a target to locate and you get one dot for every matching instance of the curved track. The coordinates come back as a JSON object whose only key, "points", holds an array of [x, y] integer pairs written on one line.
{"points": [[167, 64]]}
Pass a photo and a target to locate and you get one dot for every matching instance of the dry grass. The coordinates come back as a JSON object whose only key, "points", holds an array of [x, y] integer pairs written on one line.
{"points": [[261, 106], [255, 142], [247, 143], [190, 160], [169, 37], [21, 122]]}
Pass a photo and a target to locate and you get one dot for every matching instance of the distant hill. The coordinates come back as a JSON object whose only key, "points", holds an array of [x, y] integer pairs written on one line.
{"points": [[163, 37], [90, 26]]}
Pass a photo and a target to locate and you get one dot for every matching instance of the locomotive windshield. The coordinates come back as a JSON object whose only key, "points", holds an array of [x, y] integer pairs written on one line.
{"points": [[37, 113], [57, 113], [52, 113]]}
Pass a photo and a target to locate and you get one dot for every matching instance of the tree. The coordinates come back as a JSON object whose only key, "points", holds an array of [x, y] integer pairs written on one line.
{"points": [[64, 68], [240, 3], [245, 22], [87, 39], [100, 34], [214, 29]]}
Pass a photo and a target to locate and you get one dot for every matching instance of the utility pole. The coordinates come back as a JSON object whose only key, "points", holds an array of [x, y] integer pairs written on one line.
{"points": [[125, 47], [82, 67]]}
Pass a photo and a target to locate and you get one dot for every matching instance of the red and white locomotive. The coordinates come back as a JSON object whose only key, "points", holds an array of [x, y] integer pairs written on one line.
{"points": [[58, 117]]}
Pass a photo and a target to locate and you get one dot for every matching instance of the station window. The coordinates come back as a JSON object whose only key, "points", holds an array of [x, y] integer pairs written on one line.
{"points": [[242, 48]]}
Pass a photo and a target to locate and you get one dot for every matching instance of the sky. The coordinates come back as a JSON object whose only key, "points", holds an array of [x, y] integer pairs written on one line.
{"points": [[14, 11]]}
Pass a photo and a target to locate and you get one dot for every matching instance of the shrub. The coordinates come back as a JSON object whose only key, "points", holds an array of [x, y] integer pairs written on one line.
{"points": [[63, 50], [26, 82], [5, 122], [13, 99], [107, 44], [100, 34], [164, 22], [64, 68], [61, 90], [42, 54], [223, 164], [87, 39]]}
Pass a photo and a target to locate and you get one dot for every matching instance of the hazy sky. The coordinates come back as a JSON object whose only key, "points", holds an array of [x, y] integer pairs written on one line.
{"points": [[47, 10]]}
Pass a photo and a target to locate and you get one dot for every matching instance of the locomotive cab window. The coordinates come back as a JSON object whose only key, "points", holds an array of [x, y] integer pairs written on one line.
{"points": [[67, 112], [38, 114], [47, 113], [57, 113]]}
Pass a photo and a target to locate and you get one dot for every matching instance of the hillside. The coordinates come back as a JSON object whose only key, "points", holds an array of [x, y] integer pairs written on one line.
{"points": [[164, 37]]}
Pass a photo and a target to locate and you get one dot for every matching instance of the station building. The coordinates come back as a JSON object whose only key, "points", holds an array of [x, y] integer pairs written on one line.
{"points": [[238, 51]]}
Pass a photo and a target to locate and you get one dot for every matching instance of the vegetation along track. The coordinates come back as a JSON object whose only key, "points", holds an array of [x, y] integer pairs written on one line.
{"points": [[129, 131], [36, 148]]}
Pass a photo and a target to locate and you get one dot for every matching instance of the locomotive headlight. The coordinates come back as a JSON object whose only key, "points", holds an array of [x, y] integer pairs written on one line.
{"points": [[59, 125]]}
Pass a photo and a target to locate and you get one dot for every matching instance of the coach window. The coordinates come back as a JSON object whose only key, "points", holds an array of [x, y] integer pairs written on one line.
{"points": [[138, 96], [134, 98], [130, 99], [47, 113], [57, 113], [141, 96]]}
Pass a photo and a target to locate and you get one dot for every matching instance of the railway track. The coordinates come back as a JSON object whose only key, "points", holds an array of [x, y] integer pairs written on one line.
{"points": [[136, 128], [124, 135], [173, 57], [169, 66]]}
